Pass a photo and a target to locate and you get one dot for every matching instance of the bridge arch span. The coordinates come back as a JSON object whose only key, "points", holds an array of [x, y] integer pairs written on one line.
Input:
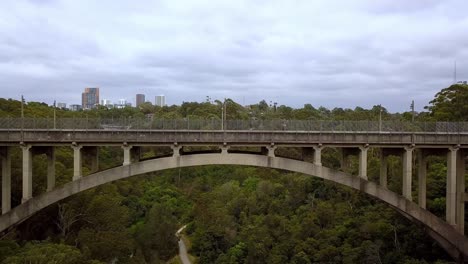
{"points": [[447, 236]]}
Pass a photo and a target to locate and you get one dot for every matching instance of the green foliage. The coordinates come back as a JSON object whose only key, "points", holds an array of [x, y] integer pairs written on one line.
{"points": [[47, 253], [450, 104], [156, 236]]}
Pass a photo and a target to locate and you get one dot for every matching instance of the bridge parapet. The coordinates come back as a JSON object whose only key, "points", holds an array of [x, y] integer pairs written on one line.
{"points": [[121, 124]]}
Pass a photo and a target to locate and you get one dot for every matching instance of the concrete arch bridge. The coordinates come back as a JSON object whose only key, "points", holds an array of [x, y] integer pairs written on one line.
{"points": [[448, 232]]}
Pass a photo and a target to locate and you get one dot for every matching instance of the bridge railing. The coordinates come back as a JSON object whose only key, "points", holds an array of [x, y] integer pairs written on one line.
{"points": [[215, 124]]}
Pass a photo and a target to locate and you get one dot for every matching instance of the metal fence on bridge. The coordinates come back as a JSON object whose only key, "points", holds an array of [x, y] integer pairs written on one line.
{"points": [[216, 124]]}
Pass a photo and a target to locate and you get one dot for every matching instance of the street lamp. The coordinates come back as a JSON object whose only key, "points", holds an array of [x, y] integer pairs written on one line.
{"points": [[224, 114]]}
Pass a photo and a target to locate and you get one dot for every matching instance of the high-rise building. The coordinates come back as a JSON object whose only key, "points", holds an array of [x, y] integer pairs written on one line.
{"points": [[90, 98], [160, 100], [75, 107], [140, 98], [62, 105], [106, 102]]}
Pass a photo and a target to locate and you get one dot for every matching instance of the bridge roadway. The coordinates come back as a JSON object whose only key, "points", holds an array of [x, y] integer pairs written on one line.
{"points": [[233, 137], [451, 143]]}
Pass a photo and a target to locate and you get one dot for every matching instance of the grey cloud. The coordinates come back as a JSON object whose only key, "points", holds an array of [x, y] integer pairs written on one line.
{"points": [[331, 53]]}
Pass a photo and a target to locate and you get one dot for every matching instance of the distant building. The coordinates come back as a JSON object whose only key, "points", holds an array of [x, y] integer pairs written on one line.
{"points": [[75, 107], [462, 82], [140, 98], [121, 104], [62, 105], [90, 98], [106, 102], [160, 100]]}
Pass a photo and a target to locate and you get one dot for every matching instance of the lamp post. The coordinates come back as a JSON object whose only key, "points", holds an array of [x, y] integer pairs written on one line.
{"points": [[223, 114]]}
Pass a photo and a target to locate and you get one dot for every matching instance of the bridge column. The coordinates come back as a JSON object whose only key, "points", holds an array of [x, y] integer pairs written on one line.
{"points": [[271, 151], [27, 173], [176, 151], [451, 186], [318, 155], [363, 162], [383, 169], [77, 158], [127, 157], [422, 175], [407, 172], [6, 179], [460, 214], [50, 168]]}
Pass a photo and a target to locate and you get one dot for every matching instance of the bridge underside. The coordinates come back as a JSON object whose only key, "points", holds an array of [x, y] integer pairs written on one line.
{"points": [[455, 243]]}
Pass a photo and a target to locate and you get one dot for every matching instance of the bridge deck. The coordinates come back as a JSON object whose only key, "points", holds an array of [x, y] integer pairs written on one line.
{"points": [[232, 137]]}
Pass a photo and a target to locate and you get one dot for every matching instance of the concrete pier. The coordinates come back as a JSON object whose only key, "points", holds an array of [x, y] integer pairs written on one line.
{"points": [[363, 162], [127, 157], [450, 216], [460, 202], [6, 179], [407, 172], [318, 155], [422, 178], [27, 173], [77, 162]]}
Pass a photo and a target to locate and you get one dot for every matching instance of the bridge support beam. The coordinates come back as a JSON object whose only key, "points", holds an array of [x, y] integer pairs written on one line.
{"points": [[50, 168], [451, 186], [176, 151], [27, 173], [363, 162], [460, 203], [383, 169], [422, 178], [127, 157], [77, 162], [6, 179], [271, 151], [407, 172], [318, 155]]}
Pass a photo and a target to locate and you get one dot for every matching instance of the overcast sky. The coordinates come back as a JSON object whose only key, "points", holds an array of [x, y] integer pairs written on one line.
{"points": [[331, 53]]}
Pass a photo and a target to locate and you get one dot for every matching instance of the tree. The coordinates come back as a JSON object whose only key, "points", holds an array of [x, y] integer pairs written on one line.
{"points": [[48, 253], [156, 236], [450, 104]]}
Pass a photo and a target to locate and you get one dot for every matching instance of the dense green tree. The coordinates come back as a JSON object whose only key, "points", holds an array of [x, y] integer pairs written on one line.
{"points": [[157, 235], [450, 104], [48, 253]]}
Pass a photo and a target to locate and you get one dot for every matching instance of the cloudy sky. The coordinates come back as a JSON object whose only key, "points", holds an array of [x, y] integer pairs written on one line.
{"points": [[331, 53]]}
